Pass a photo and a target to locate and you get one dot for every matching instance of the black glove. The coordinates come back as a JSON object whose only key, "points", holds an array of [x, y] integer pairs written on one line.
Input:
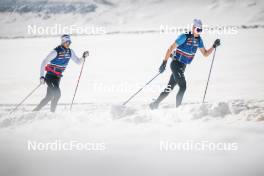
{"points": [[216, 43], [42, 80], [163, 67], [85, 54]]}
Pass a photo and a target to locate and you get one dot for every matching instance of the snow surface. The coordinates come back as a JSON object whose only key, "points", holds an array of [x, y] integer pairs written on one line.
{"points": [[233, 112]]}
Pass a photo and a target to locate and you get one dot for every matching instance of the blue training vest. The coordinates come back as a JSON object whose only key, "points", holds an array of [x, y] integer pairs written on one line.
{"points": [[186, 51], [60, 62]]}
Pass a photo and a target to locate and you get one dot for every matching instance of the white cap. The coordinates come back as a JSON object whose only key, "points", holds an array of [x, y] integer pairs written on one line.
{"points": [[197, 23], [65, 38]]}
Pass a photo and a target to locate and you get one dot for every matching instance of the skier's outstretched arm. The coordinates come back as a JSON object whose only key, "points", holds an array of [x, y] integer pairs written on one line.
{"points": [[49, 57], [78, 60], [169, 51], [75, 58], [207, 52], [167, 56]]}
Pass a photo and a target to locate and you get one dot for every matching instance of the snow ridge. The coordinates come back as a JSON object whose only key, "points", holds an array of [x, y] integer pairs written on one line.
{"points": [[230, 111]]}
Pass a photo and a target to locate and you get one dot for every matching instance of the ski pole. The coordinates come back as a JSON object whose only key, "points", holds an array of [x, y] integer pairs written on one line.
{"points": [[212, 63], [25, 98], [77, 84], [141, 89]]}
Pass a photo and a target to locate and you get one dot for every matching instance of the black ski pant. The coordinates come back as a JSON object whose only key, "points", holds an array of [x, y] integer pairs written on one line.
{"points": [[53, 93], [177, 77]]}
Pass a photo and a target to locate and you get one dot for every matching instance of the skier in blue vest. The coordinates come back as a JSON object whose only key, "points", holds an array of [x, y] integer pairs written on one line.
{"points": [[54, 65], [184, 49]]}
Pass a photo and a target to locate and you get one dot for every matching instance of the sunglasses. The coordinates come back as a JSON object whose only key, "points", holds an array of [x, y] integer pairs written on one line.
{"points": [[68, 42], [199, 30]]}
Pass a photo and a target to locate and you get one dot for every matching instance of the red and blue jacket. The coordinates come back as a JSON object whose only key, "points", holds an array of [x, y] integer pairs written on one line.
{"points": [[60, 62], [57, 60], [187, 46]]}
